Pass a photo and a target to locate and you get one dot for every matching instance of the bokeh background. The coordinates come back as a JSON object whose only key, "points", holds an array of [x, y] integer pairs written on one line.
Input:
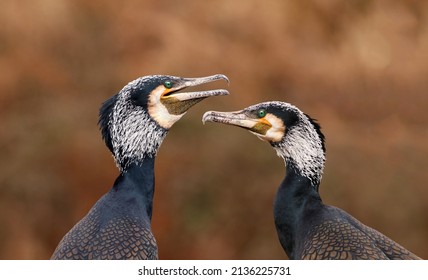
{"points": [[358, 66]]}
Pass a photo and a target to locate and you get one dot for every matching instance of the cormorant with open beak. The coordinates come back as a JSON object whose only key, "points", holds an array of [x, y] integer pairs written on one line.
{"points": [[133, 123]]}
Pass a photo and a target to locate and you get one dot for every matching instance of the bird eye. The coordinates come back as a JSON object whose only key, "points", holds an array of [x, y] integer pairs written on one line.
{"points": [[168, 84], [261, 113]]}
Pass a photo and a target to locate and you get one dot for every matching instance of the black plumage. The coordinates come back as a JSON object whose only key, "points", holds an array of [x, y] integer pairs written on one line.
{"points": [[307, 228], [133, 124]]}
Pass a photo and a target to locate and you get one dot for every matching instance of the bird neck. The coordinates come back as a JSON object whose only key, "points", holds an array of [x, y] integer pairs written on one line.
{"points": [[303, 148], [135, 136], [303, 153], [136, 185], [296, 195]]}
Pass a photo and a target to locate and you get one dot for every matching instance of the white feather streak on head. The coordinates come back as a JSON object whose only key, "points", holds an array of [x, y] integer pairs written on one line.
{"points": [[303, 147], [134, 134]]}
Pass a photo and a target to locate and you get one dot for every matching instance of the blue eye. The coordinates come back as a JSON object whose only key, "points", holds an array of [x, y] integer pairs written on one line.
{"points": [[261, 113], [168, 84]]}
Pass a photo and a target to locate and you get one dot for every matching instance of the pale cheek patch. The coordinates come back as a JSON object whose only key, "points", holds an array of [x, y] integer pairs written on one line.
{"points": [[159, 112], [277, 131]]}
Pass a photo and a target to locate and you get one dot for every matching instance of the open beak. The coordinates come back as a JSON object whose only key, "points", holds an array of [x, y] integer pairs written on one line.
{"points": [[175, 93], [178, 102]]}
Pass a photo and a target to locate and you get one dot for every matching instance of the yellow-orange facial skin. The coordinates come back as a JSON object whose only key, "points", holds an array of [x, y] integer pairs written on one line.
{"points": [[276, 129]]}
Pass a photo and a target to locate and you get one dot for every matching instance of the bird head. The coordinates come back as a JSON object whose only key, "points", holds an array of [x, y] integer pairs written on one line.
{"points": [[135, 121], [294, 135]]}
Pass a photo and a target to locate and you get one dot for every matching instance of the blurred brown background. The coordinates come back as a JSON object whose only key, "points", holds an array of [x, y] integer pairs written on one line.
{"points": [[359, 66]]}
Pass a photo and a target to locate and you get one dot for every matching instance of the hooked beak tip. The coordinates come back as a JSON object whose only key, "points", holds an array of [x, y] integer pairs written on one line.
{"points": [[206, 117]]}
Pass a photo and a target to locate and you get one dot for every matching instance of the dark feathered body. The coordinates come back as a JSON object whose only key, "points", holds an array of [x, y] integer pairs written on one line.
{"points": [[338, 235], [308, 229]]}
